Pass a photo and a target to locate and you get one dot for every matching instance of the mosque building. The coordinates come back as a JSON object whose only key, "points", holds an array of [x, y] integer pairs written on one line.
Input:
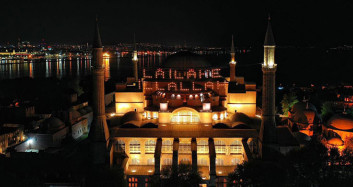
{"points": [[186, 112]]}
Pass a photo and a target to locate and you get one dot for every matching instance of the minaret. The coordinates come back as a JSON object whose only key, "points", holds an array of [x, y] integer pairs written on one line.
{"points": [[232, 62], [268, 126], [135, 60], [99, 132]]}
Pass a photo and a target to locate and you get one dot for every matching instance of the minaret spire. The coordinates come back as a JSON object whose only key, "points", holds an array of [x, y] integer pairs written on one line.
{"points": [[99, 132], [97, 42], [232, 62], [269, 38]]}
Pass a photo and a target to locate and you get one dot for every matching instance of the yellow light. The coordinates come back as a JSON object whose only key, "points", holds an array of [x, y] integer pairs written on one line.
{"points": [[106, 55], [133, 171], [150, 171]]}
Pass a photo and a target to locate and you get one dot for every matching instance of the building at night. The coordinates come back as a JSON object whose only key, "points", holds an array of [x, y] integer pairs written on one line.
{"points": [[186, 112]]}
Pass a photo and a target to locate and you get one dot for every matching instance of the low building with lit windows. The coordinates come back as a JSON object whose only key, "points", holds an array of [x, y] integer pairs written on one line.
{"points": [[185, 112]]}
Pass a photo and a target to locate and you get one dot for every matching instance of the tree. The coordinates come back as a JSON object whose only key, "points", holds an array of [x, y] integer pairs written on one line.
{"points": [[257, 173], [288, 102], [183, 176], [327, 110]]}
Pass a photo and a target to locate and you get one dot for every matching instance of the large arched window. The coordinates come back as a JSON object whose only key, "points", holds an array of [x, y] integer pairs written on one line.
{"points": [[185, 115], [167, 146], [120, 146], [135, 147], [202, 162], [236, 161], [135, 161], [150, 145], [236, 147], [150, 161], [167, 162], [202, 147], [220, 147]]}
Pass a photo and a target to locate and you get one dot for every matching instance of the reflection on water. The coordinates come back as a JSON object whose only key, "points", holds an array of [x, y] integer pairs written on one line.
{"points": [[116, 68]]}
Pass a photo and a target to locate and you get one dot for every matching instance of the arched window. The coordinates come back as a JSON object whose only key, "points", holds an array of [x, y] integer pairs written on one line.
{"points": [[202, 146], [202, 162], [184, 161], [150, 161], [120, 146], [167, 146], [185, 115], [135, 147], [135, 161], [220, 147], [219, 162], [236, 147], [150, 145], [236, 161], [167, 162]]}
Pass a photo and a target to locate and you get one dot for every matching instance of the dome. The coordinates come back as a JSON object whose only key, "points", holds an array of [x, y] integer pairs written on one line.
{"points": [[303, 106], [335, 141], [149, 125], [340, 122], [131, 116], [52, 124], [241, 117], [240, 125], [185, 60], [300, 117]]}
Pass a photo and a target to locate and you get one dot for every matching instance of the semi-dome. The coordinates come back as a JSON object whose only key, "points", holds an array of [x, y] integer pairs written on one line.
{"points": [[186, 60], [52, 124], [335, 141], [241, 117], [340, 122], [220, 126], [131, 116]]}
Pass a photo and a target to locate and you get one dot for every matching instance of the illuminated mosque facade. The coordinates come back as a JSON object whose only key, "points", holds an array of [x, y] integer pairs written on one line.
{"points": [[185, 112]]}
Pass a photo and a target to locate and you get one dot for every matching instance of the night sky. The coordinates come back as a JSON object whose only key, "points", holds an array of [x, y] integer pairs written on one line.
{"points": [[197, 22]]}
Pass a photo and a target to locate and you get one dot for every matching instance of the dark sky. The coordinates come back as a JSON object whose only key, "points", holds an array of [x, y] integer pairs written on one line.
{"points": [[200, 22]]}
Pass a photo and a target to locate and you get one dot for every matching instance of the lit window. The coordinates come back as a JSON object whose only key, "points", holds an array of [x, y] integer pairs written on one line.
{"points": [[236, 147], [135, 161], [202, 162], [202, 146], [219, 162], [184, 161], [185, 148], [167, 146], [133, 182], [150, 161], [135, 147], [236, 161], [215, 117], [220, 147], [150, 145], [167, 162], [185, 116]]}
